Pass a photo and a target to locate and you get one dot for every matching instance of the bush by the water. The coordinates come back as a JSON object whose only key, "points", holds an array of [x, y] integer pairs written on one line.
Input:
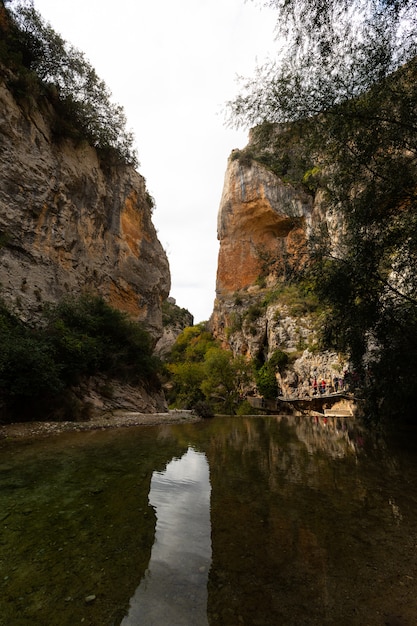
{"points": [[77, 339], [204, 377], [204, 409]]}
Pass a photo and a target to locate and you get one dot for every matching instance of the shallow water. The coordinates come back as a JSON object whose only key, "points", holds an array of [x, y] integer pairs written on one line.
{"points": [[256, 521]]}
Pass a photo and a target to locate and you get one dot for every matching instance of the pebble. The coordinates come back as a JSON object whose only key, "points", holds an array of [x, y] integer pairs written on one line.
{"points": [[90, 599]]}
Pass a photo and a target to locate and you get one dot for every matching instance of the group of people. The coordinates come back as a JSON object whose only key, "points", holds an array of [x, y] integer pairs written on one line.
{"points": [[331, 385]]}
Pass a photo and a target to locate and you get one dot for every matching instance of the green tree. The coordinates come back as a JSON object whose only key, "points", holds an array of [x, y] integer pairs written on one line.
{"points": [[330, 52], [349, 84], [185, 366], [187, 378], [279, 360], [266, 381], [201, 374], [192, 344], [224, 380]]}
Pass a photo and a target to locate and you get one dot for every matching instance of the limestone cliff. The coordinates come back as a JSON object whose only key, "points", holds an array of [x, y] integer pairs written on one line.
{"points": [[260, 217], [265, 219], [70, 223]]}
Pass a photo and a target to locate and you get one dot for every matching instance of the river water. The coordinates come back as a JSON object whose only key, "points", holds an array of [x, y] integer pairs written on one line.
{"points": [[232, 521]]}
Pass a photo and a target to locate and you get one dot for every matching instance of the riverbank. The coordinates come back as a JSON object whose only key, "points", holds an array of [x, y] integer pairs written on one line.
{"points": [[118, 419]]}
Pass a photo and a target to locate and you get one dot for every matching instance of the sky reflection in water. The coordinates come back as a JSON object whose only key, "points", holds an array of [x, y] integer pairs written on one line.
{"points": [[174, 589]]}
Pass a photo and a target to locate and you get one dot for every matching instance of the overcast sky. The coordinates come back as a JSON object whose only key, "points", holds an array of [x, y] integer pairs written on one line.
{"points": [[172, 65]]}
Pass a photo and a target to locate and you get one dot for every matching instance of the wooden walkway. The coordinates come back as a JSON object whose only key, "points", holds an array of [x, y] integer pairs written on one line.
{"points": [[341, 404]]}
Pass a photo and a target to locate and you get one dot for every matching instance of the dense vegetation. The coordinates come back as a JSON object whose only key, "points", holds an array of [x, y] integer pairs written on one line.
{"points": [[201, 375], [43, 64], [76, 339], [350, 71], [204, 377]]}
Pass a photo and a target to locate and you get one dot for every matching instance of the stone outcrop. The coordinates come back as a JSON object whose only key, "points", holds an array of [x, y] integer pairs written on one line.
{"points": [[98, 396], [260, 219], [174, 319], [70, 223]]}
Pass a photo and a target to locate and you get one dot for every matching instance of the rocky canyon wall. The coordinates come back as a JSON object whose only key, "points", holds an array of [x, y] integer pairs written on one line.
{"points": [[264, 224], [70, 223]]}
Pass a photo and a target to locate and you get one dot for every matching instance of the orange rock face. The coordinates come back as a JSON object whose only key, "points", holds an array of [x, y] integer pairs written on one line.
{"points": [[261, 226]]}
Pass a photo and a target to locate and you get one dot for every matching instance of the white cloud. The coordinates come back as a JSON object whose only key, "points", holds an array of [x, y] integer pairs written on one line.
{"points": [[172, 66]]}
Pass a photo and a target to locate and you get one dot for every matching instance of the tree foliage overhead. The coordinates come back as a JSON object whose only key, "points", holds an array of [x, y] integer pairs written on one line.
{"points": [[347, 75], [43, 60], [330, 51]]}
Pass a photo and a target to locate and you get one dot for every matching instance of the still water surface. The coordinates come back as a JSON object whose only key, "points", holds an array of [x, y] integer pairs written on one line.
{"points": [[253, 521]]}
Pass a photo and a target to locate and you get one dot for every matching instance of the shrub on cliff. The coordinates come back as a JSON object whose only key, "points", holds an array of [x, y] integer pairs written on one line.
{"points": [[279, 360], [175, 316], [192, 344], [44, 63], [266, 381], [88, 336]]}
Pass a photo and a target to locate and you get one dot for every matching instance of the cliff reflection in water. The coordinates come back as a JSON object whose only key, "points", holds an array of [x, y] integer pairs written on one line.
{"points": [[315, 529], [174, 589]]}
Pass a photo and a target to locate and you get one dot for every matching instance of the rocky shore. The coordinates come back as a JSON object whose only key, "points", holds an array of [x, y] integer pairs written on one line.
{"points": [[118, 419]]}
